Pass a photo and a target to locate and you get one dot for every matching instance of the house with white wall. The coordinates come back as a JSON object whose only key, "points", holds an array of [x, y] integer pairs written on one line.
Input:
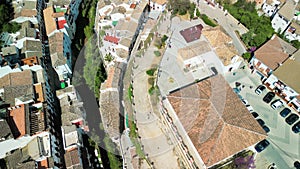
{"points": [[270, 56], [159, 5], [284, 16], [285, 81]]}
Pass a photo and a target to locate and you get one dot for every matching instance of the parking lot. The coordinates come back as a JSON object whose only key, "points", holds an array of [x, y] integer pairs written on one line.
{"points": [[284, 148]]}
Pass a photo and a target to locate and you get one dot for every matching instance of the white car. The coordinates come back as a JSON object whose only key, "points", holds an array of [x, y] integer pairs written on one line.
{"points": [[260, 89], [276, 104], [250, 108]]}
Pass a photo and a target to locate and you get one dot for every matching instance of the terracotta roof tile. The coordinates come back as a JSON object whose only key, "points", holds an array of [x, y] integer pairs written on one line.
{"points": [[43, 164], [50, 22], [39, 92], [274, 52], [194, 50], [217, 122], [20, 120], [160, 2], [221, 42], [72, 158], [17, 78]]}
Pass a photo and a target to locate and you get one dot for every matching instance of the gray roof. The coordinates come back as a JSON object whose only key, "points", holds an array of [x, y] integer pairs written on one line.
{"points": [[29, 4], [289, 72], [29, 54], [5, 130], [32, 45], [27, 24], [10, 50], [27, 32], [12, 92], [288, 9]]}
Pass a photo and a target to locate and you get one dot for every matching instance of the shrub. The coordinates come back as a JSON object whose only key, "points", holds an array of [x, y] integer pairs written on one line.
{"points": [[207, 21], [130, 93], [247, 56], [164, 38], [157, 53], [151, 71], [198, 12]]}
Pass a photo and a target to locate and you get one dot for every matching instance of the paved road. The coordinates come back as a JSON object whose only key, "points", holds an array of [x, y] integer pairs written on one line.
{"points": [[285, 148], [154, 141], [229, 23]]}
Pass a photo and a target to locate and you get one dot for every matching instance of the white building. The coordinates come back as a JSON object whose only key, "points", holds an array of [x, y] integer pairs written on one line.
{"points": [[284, 16], [158, 5], [285, 81], [270, 8]]}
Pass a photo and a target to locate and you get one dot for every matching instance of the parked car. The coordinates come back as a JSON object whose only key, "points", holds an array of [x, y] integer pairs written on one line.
{"points": [[236, 90], [268, 97], [291, 119], [259, 147], [297, 164], [296, 127], [266, 128], [254, 114], [285, 112], [260, 89], [261, 122], [245, 102], [276, 104], [272, 166], [250, 108]]}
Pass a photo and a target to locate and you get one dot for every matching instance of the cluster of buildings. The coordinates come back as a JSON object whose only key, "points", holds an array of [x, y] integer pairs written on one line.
{"points": [[276, 62], [207, 120], [24, 111], [122, 25], [284, 16], [204, 107]]}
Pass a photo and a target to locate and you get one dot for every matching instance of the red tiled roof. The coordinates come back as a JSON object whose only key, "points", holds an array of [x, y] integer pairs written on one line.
{"points": [[43, 164], [72, 158], [112, 39], [274, 52], [30, 61], [18, 115], [61, 24], [215, 119], [132, 6]]}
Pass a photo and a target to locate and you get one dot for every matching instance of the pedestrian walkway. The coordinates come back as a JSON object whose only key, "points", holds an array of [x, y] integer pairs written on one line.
{"points": [[154, 142]]}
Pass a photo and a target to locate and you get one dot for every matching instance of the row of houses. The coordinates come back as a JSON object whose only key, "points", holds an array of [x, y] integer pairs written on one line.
{"points": [[25, 139], [284, 16], [276, 62]]}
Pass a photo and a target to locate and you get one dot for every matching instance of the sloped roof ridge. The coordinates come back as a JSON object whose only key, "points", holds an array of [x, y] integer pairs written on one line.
{"points": [[215, 145], [251, 131]]}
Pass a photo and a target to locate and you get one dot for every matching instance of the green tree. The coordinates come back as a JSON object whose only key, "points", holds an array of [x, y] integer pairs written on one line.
{"points": [[259, 39], [247, 37], [198, 12], [247, 56], [295, 43]]}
